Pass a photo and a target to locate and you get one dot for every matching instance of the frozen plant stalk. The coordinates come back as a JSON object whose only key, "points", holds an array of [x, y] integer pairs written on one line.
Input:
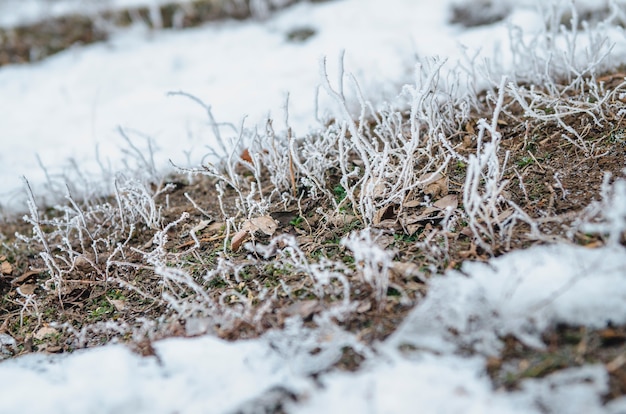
{"points": [[483, 187], [612, 209], [372, 261]]}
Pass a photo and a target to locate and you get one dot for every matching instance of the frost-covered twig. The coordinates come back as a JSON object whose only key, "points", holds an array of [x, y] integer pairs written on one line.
{"points": [[372, 261], [608, 217], [484, 184]]}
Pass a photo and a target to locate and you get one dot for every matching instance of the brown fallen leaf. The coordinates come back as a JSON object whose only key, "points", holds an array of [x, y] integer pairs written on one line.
{"points": [[413, 228], [245, 156], [238, 239], [386, 213], [467, 231], [364, 306], [45, 331], [285, 218], [504, 215], [263, 224], [6, 268], [434, 184], [83, 263], [429, 178], [341, 219], [304, 309], [450, 201], [412, 203], [616, 363], [118, 304], [53, 349], [216, 226], [429, 213], [610, 336], [407, 270], [594, 244], [27, 289], [379, 190]]}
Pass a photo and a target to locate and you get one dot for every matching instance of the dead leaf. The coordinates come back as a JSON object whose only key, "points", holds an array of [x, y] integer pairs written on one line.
{"points": [[203, 224], [304, 309], [285, 218], [384, 240], [450, 201], [439, 188], [467, 231], [429, 178], [594, 244], [245, 156], [364, 306], [389, 225], [238, 239], [264, 224], [379, 190], [504, 215], [434, 184], [54, 349], [412, 203], [215, 227], [6, 268], [426, 214], [27, 289], [407, 270], [386, 213], [616, 363], [118, 304], [434, 212], [45, 331], [610, 336], [83, 263], [413, 228], [341, 219], [472, 253]]}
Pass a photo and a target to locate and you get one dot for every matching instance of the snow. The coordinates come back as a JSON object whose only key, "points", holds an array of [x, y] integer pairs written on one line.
{"points": [[112, 379], [66, 105], [73, 102], [522, 293]]}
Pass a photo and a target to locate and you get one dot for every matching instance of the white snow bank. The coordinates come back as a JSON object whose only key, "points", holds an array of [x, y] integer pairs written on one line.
{"points": [[200, 375], [522, 293], [435, 384], [427, 384]]}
